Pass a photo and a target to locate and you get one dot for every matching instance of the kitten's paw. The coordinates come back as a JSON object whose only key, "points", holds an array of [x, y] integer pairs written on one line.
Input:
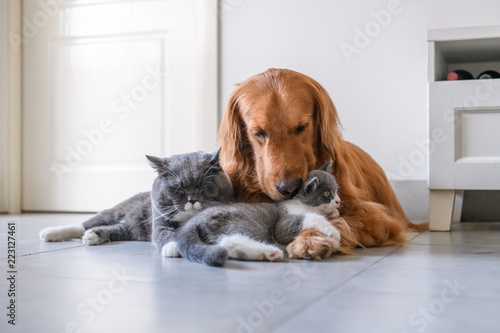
{"points": [[170, 250], [91, 238], [272, 254], [58, 234], [321, 224], [335, 213]]}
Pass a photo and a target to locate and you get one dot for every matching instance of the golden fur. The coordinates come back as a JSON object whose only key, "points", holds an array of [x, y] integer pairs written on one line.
{"points": [[264, 142]]}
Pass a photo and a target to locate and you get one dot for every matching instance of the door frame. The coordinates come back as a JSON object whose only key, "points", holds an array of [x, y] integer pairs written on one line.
{"points": [[11, 111]]}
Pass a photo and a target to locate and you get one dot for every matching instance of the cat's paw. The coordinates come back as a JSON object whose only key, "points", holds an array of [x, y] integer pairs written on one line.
{"points": [[272, 254], [58, 234], [52, 234], [91, 238], [321, 224], [170, 250], [244, 248]]}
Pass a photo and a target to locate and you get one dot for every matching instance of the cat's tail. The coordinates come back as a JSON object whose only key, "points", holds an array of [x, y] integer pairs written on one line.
{"points": [[192, 247]]}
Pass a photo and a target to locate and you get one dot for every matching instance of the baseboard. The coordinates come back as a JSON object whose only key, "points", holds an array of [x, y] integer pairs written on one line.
{"points": [[481, 206]]}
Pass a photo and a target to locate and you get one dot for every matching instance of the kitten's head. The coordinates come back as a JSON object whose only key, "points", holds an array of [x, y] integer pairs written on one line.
{"points": [[189, 183], [320, 191]]}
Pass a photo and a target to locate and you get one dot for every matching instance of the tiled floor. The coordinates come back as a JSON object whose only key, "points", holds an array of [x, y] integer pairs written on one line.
{"points": [[440, 282]]}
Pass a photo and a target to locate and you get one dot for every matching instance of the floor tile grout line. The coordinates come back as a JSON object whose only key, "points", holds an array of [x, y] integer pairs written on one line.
{"points": [[332, 290], [48, 251], [287, 318], [55, 250]]}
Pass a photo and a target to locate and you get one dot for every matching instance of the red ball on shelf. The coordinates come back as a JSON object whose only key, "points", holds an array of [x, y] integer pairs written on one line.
{"points": [[459, 74]]}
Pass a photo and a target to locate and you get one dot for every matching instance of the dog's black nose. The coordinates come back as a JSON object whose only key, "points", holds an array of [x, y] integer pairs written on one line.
{"points": [[289, 188]]}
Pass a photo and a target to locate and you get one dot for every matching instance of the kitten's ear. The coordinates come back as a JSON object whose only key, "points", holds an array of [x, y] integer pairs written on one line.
{"points": [[214, 160], [159, 164], [328, 167], [311, 185]]}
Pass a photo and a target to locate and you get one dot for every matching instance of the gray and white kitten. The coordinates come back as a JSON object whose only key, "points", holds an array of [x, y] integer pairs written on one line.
{"points": [[250, 231], [185, 185]]}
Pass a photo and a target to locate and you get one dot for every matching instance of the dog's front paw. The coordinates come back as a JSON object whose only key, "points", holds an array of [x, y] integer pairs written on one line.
{"points": [[170, 250], [312, 244], [321, 224]]}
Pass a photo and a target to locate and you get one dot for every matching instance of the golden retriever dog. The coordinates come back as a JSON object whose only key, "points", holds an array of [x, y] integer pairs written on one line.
{"points": [[280, 124]]}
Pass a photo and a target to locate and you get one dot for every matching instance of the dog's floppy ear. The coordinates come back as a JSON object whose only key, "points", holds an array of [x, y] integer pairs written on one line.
{"points": [[232, 137], [231, 131], [326, 121]]}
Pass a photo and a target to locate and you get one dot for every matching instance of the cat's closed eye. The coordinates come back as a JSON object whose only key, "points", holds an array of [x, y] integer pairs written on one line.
{"points": [[210, 191], [176, 189]]}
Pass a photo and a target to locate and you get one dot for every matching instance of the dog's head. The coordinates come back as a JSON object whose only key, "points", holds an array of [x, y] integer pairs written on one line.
{"points": [[278, 125]]}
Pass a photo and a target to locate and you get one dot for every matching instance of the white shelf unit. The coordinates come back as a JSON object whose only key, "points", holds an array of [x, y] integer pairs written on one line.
{"points": [[464, 117]]}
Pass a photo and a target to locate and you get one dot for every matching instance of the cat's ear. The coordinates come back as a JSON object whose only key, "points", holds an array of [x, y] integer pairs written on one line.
{"points": [[159, 164], [311, 185], [328, 167], [214, 159]]}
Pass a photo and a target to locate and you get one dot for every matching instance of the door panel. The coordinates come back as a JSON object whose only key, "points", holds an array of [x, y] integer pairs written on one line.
{"points": [[106, 82]]}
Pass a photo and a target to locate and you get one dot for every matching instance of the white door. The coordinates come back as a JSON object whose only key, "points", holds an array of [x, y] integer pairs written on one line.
{"points": [[106, 82], [3, 106]]}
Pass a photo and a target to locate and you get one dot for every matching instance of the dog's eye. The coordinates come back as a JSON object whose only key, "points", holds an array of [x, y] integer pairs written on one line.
{"points": [[300, 129], [327, 194], [261, 134]]}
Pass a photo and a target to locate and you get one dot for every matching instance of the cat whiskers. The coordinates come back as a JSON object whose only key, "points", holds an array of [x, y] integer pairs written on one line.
{"points": [[166, 214], [218, 201], [177, 189], [208, 170], [173, 174]]}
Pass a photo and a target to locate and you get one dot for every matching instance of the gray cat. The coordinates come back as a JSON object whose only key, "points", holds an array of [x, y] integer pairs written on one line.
{"points": [[249, 231], [185, 185]]}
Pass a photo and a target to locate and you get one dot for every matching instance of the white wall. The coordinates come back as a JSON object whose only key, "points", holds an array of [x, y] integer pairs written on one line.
{"points": [[381, 93]]}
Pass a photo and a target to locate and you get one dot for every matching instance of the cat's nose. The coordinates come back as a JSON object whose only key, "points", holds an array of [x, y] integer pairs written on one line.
{"points": [[192, 202], [337, 200], [290, 187]]}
